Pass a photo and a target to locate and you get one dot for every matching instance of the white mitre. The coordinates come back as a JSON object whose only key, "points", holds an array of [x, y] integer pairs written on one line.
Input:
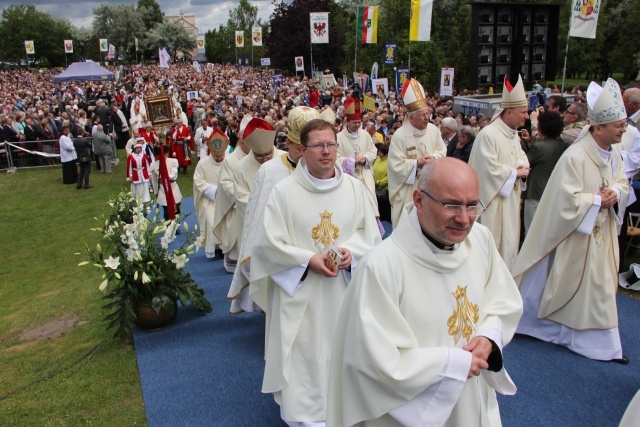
{"points": [[413, 96], [512, 96], [605, 103]]}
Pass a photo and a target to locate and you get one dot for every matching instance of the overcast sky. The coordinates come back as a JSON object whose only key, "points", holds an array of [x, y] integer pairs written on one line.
{"points": [[209, 13]]}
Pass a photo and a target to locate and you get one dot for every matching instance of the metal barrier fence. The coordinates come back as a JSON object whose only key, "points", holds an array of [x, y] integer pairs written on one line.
{"points": [[33, 154], [29, 154]]}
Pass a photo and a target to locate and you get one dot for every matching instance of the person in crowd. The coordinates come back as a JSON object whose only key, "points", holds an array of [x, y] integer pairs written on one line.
{"points": [[102, 149], [356, 151], [120, 125], [68, 158], [82, 145], [501, 165], [137, 172], [462, 148], [155, 175], [182, 144], [449, 131], [567, 268], [412, 146], [316, 225], [225, 223], [408, 354], [205, 187], [543, 156], [269, 174], [202, 135], [382, 182]]}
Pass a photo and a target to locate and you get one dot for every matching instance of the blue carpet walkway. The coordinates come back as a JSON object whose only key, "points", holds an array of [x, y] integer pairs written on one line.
{"points": [[206, 370]]}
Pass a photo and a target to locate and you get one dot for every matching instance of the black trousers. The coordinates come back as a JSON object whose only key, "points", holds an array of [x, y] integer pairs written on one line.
{"points": [[69, 172], [166, 211], [84, 170]]}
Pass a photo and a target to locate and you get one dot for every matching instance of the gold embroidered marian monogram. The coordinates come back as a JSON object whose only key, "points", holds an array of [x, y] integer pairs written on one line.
{"points": [[462, 321], [325, 232]]}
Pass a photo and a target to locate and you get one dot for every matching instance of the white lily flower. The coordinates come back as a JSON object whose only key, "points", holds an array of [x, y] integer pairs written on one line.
{"points": [[145, 278], [103, 285], [199, 242], [180, 261], [83, 263], [112, 262], [135, 275], [185, 226]]}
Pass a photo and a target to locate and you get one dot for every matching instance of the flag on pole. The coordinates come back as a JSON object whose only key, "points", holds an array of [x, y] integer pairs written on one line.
{"points": [[584, 18], [136, 42], [29, 47], [239, 38], [104, 45], [368, 24], [164, 58], [200, 44], [256, 36], [319, 27], [68, 46], [420, 25], [112, 52]]}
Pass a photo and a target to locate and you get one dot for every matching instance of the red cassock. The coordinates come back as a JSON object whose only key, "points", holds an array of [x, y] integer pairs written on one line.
{"points": [[148, 136], [137, 168], [182, 144]]}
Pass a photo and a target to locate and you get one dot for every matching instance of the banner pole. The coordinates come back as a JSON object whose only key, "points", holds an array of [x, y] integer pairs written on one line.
{"points": [[566, 51], [355, 59]]}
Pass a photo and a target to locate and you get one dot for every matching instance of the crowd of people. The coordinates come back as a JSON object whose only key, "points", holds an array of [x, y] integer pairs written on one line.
{"points": [[293, 185]]}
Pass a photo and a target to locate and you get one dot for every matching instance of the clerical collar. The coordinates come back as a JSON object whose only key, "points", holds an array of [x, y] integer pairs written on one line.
{"points": [[352, 134], [418, 132], [606, 155], [322, 183], [435, 246], [291, 162]]}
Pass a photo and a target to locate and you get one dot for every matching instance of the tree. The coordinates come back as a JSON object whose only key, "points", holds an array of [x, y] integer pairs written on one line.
{"points": [[150, 13], [120, 25], [172, 36], [82, 47], [24, 22], [290, 35]]}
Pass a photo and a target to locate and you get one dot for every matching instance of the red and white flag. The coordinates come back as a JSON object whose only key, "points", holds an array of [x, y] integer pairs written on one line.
{"points": [[584, 18], [319, 27]]}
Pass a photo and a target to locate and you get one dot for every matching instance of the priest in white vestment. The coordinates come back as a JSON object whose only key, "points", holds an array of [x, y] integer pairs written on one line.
{"points": [[259, 135], [226, 228], [567, 268], [202, 135], [269, 174], [424, 321], [315, 211], [205, 188], [414, 144], [502, 169], [356, 150]]}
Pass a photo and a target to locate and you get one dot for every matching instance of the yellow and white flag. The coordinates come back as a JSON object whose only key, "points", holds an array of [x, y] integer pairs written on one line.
{"points": [[420, 24], [200, 41], [584, 18], [256, 36], [29, 47]]}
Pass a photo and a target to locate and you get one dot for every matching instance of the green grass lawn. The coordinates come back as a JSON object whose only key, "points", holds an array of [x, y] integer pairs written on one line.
{"points": [[83, 377]]}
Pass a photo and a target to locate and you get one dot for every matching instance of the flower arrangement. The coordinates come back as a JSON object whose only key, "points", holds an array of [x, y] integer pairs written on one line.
{"points": [[138, 266]]}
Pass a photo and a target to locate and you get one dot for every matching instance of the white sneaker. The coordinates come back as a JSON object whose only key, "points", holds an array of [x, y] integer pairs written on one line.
{"points": [[210, 254]]}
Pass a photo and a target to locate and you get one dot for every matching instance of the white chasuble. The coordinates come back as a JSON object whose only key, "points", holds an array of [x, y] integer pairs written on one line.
{"points": [[348, 146], [225, 224], [205, 184], [301, 219], [272, 172], [580, 274], [407, 314], [407, 146], [495, 156]]}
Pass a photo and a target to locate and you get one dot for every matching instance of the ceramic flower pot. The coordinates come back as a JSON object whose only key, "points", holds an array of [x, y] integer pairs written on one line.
{"points": [[147, 318]]}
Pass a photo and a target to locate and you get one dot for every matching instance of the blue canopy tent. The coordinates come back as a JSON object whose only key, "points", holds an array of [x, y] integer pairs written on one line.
{"points": [[82, 72]]}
